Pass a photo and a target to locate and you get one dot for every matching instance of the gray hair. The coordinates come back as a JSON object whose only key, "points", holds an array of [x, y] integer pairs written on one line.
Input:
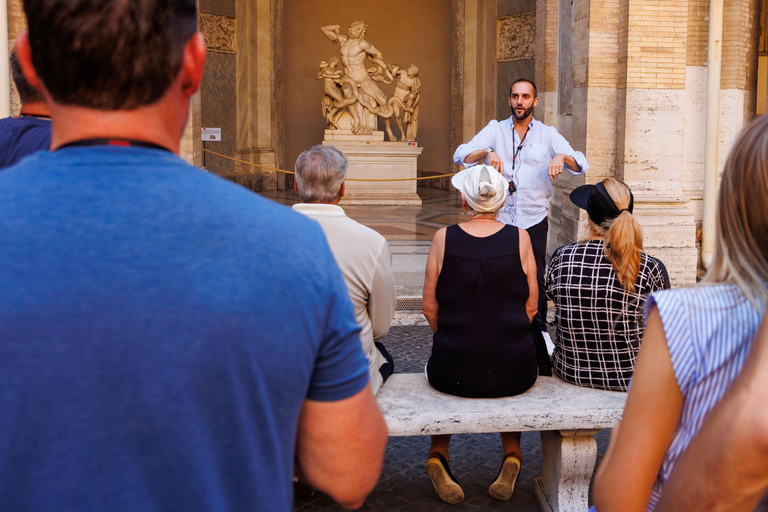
{"points": [[320, 171]]}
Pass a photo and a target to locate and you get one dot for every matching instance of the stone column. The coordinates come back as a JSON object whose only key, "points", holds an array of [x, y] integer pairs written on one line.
{"points": [[17, 22], [191, 148], [569, 461], [594, 101], [479, 91], [741, 32], [546, 59], [652, 78], [259, 91]]}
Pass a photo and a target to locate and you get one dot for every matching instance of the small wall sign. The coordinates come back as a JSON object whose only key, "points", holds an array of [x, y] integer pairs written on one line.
{"points": [[211, 134]]}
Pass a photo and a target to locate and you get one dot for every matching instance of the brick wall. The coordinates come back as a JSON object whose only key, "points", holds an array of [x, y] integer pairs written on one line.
{"points": [[16, 19], [656, 44], [741, 33], [546, 47], [604, 22], [698, 32]]}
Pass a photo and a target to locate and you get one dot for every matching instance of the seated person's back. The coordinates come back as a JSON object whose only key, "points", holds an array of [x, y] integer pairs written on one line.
{"points": [[600, 294], [362, 254]]}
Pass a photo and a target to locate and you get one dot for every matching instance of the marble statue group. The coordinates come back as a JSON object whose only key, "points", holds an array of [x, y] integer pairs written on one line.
{"points": [[353, 99]]}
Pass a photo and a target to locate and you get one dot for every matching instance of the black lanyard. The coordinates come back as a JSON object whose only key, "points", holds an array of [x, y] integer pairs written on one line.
{"points": [[112, 142], [516, 149]]}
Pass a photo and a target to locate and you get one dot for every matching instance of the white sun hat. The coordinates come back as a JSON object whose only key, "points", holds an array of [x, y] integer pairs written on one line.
{"points": [[483, 187]]}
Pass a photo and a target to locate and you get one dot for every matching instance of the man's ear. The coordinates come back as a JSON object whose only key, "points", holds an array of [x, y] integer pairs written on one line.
{"points": [[295, 186], [342, 189], [24, 54], [192, 64], [535, 101]]}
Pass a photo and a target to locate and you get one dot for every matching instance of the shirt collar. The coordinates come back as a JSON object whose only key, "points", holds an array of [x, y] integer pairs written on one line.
{"points": [[511, 123], [319, 209]]}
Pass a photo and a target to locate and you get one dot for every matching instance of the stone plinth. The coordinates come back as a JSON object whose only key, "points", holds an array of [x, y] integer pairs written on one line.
{"points": [[372, 158]]}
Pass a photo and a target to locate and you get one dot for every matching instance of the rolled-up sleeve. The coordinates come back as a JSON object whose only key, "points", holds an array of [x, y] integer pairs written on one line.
{"points": [[560, 146], [485, 139]]}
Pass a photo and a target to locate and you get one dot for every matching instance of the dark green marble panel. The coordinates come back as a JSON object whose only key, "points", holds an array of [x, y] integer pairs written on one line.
{"points": [[512, 7], [219, 106], [223, 7], [506, 73]]}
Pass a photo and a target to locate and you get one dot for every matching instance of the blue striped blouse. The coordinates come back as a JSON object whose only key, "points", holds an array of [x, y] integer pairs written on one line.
{"points": [[709, 331]]}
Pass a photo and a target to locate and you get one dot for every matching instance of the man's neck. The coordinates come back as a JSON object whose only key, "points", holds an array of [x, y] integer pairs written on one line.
{"points": [[521, 125], [156, 123], [34, 109]]}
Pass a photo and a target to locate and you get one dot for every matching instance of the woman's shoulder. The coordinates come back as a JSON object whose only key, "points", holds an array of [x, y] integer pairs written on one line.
{"points": [[579, 250], [717, 295]]}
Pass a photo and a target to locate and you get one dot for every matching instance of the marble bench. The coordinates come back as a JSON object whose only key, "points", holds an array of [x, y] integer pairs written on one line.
{"points": [[567, 416]]}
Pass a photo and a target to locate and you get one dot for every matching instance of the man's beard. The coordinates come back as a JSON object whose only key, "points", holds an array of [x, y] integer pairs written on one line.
{"points": [[527, 112]]}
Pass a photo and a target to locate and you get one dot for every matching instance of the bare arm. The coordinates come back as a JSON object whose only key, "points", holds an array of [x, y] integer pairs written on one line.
{"points": [[733, 439], [479, 155], [340, 446], [639, 442], [556, 165], [430, 308], [331, 32], [529, 267]]}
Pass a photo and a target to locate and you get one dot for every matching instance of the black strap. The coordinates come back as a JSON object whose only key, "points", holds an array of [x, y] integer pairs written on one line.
{"points": [[516, 149], [542, 356], [112, 142]]}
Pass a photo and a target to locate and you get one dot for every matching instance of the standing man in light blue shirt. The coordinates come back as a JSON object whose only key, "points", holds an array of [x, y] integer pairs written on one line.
{"points": [[530, 155]]}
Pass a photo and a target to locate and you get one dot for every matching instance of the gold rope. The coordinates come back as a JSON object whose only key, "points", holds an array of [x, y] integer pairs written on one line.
{"points": [[291, 172]]}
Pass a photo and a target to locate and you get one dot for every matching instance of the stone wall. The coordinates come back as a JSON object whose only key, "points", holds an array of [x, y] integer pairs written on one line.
{"points": [[219, 106], [515, 48], [17, 22], [639, 79]]}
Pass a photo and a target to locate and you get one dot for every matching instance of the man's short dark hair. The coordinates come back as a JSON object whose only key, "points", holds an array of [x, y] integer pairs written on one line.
{"points": [[27, 93], [535, 91], [109, 54]]}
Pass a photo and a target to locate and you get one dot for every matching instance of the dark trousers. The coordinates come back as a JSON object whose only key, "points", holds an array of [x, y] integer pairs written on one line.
{"points": [[538, 234]]}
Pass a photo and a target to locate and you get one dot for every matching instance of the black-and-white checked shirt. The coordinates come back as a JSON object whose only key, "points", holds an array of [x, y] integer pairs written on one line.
{"points": [[599, 324]]}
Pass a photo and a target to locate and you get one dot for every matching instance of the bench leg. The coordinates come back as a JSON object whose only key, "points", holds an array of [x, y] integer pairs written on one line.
{"points": [[569, 460]]}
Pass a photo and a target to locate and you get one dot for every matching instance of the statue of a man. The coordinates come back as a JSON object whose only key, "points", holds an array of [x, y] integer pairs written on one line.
{"points": [[355, 50], [405, 102]]}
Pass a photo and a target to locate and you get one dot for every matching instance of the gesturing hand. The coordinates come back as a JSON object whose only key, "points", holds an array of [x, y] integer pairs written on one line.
{"points": [[495, 162], [556, 166]]}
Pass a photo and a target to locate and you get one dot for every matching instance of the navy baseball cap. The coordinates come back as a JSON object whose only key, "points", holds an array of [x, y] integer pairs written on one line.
{"points": [[598, 203]]}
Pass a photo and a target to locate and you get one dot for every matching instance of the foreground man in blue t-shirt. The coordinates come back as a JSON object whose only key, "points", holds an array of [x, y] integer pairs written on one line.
{"points": [[168, 340]]}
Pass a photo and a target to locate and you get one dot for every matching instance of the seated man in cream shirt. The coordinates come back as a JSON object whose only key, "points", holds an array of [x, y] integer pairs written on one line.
{"points": [[361, 253]]}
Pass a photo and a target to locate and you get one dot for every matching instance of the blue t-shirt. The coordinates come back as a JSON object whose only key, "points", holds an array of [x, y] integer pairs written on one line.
{"points": [[160, 329], [22, 136]]}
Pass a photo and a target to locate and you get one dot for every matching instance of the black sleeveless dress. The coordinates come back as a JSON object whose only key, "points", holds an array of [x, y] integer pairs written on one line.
{"points": [[483, 346]]}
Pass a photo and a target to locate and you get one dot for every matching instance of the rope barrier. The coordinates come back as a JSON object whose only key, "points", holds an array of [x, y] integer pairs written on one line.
{"points": [[267, 168]]}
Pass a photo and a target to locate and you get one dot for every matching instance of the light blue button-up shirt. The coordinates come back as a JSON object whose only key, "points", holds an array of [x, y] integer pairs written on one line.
{"points": [[529, 205]]}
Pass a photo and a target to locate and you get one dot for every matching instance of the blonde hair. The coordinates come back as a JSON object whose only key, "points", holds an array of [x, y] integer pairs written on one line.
{"points": [[622, 236], [741, 230]]}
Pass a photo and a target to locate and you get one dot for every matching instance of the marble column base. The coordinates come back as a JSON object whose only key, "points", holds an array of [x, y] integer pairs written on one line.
{"points": [[370, 158], [569, 460]]}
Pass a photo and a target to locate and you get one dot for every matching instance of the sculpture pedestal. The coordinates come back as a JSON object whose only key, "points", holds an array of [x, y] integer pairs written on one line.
{"points": [[372, 158]]}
